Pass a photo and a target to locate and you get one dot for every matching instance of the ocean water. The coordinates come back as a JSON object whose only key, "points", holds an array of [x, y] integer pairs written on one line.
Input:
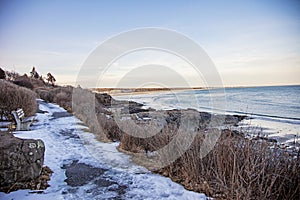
{"points": [[273, 110]]}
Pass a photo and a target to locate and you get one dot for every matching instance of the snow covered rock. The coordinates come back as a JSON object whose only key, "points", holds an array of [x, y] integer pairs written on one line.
{"points": [[21, 160]]}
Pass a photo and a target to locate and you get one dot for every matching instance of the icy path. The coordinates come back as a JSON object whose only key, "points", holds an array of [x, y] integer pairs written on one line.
{"points": [[104, 173]]}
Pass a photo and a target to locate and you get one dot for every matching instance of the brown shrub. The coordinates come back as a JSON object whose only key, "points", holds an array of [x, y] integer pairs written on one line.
{"points": [[23, 81], [146, 144], [59, 95], [63, 97], [238, 168], [37, 82], [13, 97], [45, 94], [83, 107], [110, 128]]}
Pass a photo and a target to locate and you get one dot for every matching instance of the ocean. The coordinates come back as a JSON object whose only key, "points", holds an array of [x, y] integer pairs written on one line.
{"points": [[273, 111]]}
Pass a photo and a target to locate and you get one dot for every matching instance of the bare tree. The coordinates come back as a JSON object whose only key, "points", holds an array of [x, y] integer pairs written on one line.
{"points": [[34, 73], [50, 78]]}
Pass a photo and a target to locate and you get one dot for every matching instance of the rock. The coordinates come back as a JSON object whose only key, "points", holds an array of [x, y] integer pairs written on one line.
{"points": [[103, 98], [79, 174], [129, 107], [21, 160]]}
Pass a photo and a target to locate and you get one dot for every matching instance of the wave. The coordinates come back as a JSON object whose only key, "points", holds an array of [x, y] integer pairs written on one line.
{"points": [[290, 120]]}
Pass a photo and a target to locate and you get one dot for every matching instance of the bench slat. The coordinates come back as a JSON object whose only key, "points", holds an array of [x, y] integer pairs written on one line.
{"points": [[20, 113]]}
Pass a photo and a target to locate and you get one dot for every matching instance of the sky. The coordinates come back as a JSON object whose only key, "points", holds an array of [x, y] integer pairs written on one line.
{"points": [[250, 42]]}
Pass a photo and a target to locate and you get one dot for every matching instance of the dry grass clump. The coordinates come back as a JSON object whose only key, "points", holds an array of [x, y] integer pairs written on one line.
{"points": [[109, 127], [147, 144], [238, 168], [13, 97], [84, 107]]}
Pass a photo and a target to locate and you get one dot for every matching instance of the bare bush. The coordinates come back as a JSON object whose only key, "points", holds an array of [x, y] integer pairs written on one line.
{"points": [[45, 94], [37, 82], [147, 144], [109, 127], [23, 81], [60, 95], [238, 168], [63, 97], [83, 107], [13, 97]]}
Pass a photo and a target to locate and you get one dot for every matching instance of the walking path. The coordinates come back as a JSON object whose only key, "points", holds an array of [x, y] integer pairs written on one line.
{"points": [[85, 168]]}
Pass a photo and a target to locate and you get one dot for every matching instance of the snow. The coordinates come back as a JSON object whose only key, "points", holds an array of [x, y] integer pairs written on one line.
{"points": [[67, 140], [283, 132]]}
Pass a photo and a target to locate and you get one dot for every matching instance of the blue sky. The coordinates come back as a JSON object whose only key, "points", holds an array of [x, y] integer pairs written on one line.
{"points": [[251, 42]]}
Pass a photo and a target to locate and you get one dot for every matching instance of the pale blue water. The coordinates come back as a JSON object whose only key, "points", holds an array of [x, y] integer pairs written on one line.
{"points": [[276, 108], [277, 102]]}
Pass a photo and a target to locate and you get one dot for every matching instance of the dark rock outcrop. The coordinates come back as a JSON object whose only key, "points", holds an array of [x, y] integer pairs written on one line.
{"points": [[21, 160], [103, 99]]}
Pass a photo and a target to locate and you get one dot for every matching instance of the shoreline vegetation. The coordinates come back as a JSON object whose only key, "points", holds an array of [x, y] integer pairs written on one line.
{"points": [[236, 168]]}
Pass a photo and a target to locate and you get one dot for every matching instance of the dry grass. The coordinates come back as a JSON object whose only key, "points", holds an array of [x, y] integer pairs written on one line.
{"points": [[13, 97], [109, 127], [147, 144], [236, 168]]}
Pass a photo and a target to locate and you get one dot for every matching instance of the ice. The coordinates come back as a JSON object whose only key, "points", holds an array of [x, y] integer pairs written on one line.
{"points": [[67, 141]]}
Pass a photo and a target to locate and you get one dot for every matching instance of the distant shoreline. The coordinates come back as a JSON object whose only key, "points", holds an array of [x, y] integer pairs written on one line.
{"points": [[126, 91]]}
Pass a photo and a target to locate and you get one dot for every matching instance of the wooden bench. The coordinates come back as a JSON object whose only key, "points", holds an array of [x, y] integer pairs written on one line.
{"points": [[23, 123]]}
